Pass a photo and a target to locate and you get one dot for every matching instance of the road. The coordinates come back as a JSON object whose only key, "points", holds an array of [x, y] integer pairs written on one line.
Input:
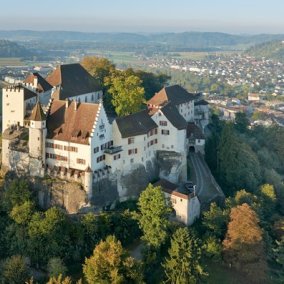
{"points": [[206, 186]]}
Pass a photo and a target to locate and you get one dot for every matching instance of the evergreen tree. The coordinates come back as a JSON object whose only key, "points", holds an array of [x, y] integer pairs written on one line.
{"points": [[182, 266], [14, 270], [153, 220]]}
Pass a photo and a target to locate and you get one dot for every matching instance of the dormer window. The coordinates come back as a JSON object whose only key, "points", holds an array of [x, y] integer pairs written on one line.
{"points": [[76, 133]]}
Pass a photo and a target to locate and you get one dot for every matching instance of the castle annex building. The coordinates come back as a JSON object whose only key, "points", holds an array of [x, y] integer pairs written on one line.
{"points": [[58, 126]]}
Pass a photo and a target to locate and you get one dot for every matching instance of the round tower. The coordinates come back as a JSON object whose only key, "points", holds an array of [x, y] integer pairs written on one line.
{"points": [[37, 133], [88, 182]]}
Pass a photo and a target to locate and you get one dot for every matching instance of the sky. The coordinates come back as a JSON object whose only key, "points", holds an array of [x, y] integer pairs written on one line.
{"points": [[144, 16]]}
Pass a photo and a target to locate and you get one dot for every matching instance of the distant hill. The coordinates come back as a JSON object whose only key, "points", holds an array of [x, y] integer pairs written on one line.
{"points": [[12, 49], [271, 50], [166, 41]]}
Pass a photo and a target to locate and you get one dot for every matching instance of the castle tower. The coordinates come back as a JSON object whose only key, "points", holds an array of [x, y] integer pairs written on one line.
{"points": [[37, 135], [88, 182]]}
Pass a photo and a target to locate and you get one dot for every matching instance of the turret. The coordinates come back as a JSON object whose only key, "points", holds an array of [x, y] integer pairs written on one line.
{"points": [[37, 133], [88, 182]]}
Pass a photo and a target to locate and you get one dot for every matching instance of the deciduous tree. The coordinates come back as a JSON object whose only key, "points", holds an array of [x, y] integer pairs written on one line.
{"points": [[244, 246], [111, 264], [127, 92]]}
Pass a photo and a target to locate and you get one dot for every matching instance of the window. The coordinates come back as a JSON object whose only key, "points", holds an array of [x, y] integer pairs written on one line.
{"points": [[100, 158], [116, 157], [49, 145], [173, 200], [163, 123], [152, 132], [131, 161], [132, 151], [81, 161], [56, 157], [131, 140], [96, 150], [165, 132]]}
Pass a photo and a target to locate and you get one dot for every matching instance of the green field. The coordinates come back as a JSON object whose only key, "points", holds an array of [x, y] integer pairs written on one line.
{"points": [[10, 61]]}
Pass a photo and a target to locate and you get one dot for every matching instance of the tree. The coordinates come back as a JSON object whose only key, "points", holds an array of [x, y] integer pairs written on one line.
{"points": [[127, 92], [56, 267], [98, 67], [60, 280], [244, 246], [14, 270], [183, 263], [17, 193], [49, 235], [22, 213], [151, 82], [278, 257], [216, 219], [267, 200], [241, 122], [238, 165], [111, 264], [153, 220]]}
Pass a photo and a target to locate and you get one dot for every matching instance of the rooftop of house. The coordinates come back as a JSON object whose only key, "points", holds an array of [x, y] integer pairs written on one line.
{"points": [[72, 80], [174, 94], [193, 131], [174, 189], [42, 84], [71, 121], [135, 124], [173, 115]]}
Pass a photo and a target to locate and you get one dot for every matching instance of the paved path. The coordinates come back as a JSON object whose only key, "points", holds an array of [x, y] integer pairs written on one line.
{"points": [[206, 186]]}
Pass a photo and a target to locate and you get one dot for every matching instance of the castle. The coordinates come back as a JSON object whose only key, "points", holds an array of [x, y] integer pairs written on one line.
{"points": [[58, 127]]}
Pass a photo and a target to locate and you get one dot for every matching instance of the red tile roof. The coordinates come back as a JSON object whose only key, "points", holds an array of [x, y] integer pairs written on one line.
{"points": [[68, 124], [174, 94]]}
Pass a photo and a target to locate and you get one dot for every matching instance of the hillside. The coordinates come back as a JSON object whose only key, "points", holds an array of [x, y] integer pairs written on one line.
{"points": [[271, 50], [12, 49], [165, 41]]}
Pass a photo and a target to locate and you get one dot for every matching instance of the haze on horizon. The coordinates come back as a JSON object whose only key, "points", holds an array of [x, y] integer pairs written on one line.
{"points": [[242, 16]]}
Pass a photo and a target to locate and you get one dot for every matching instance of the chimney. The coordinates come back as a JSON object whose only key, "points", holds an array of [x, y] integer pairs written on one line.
{"points": [[66, 103], [75, 105]]}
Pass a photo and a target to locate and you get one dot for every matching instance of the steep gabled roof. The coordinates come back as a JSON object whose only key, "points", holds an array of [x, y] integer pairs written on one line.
{"points": [[42, 84], [174, 94], [170, 188], [193, 131], [72, 80], [37, 113], [71, 124], [135, 124], [172, 114]]}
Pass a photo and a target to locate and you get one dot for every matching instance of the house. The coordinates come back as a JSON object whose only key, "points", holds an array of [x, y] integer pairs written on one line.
{"points": [[185, 202], [39, 85], [253, 97], [196, 139], [179, 97]]}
